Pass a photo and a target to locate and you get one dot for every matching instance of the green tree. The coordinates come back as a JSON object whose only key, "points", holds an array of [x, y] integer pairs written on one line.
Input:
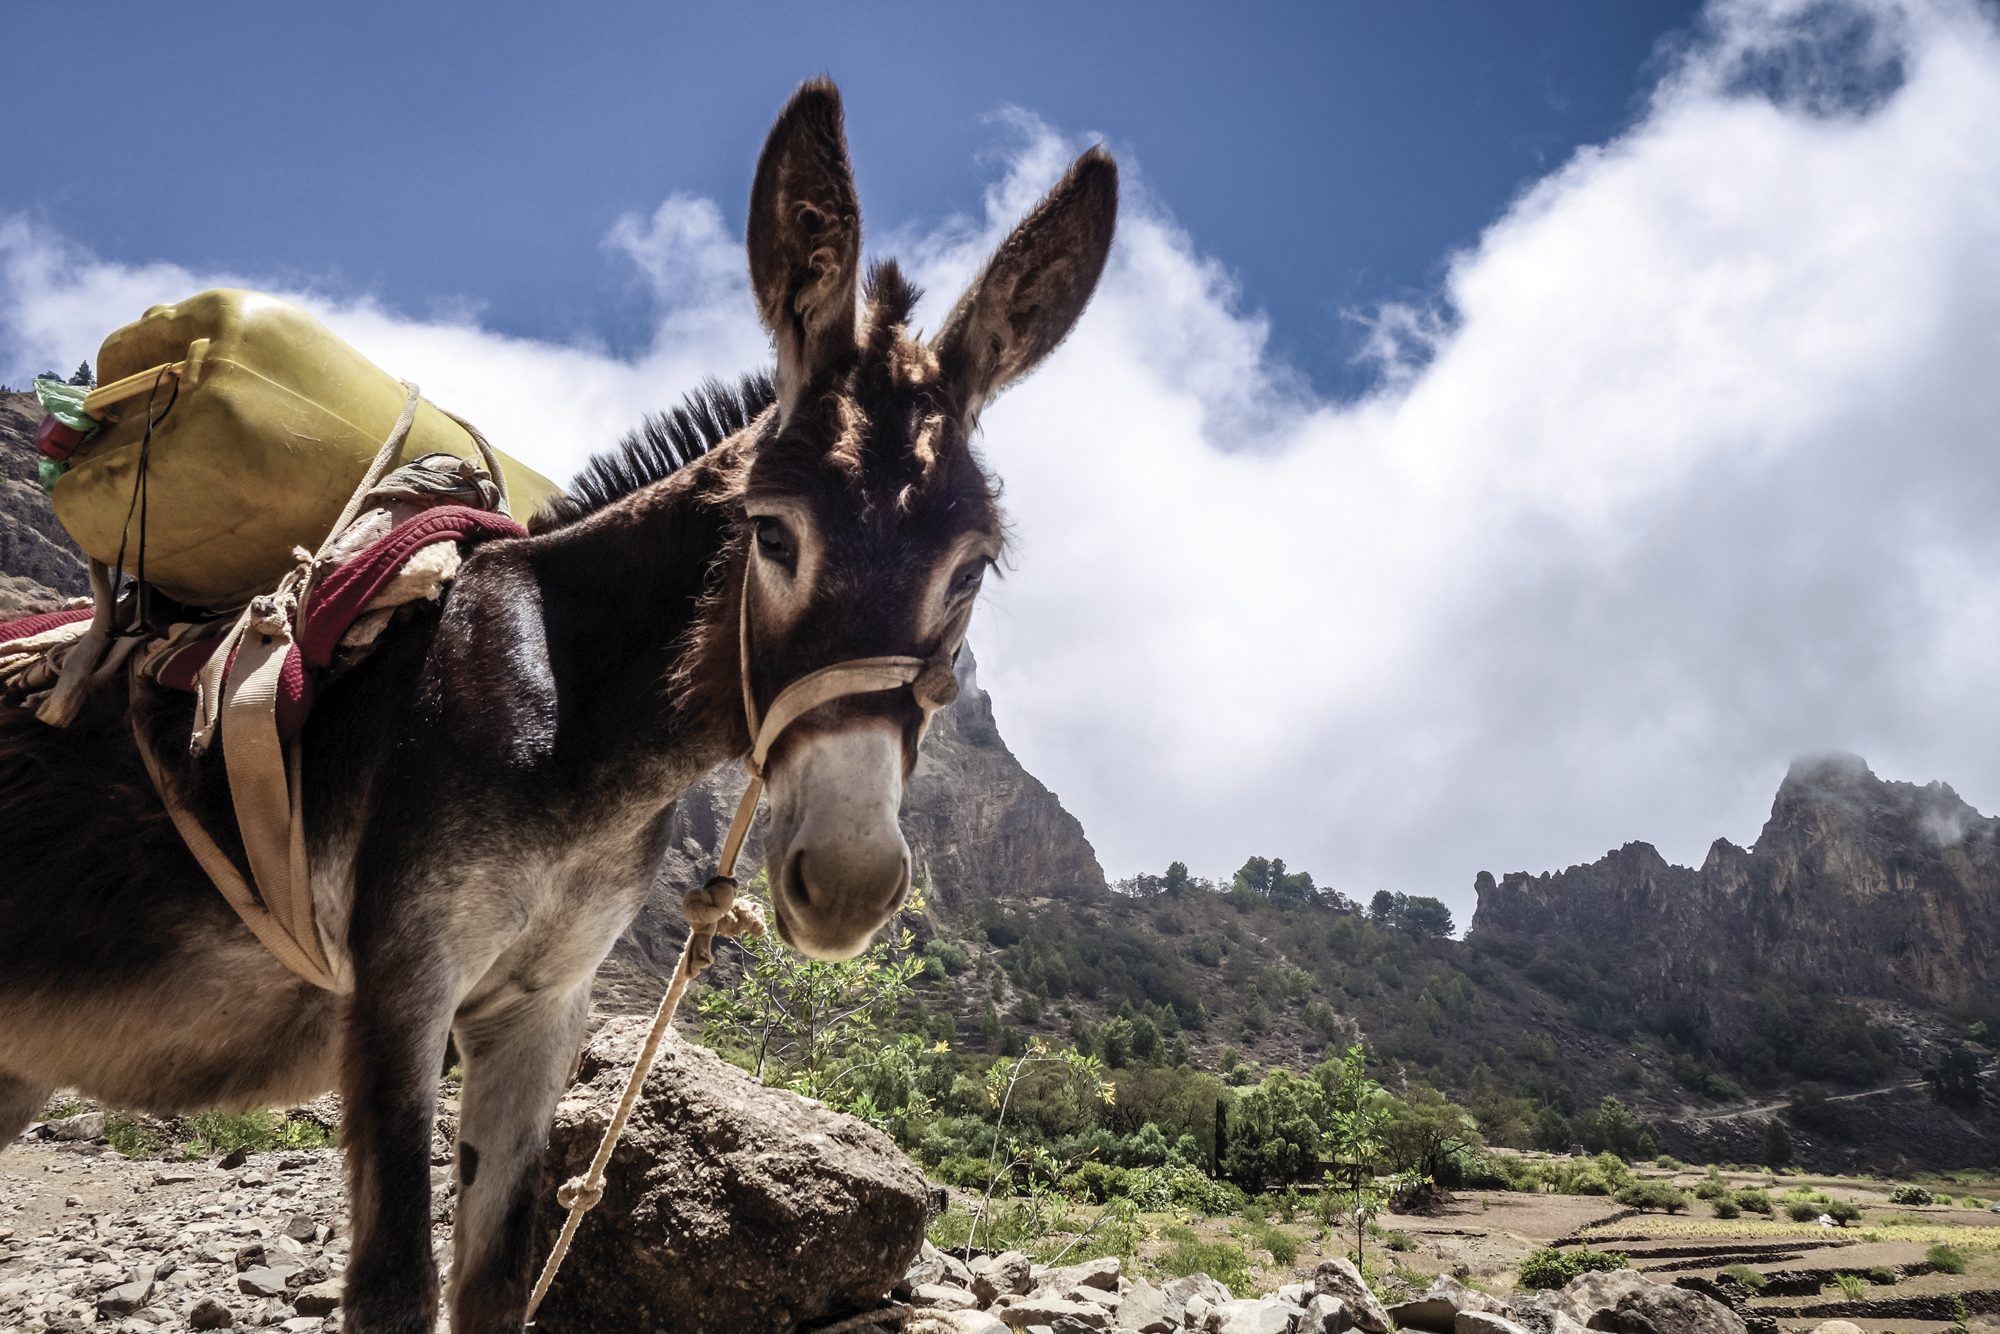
{"points": [[1353, 1136], [825, 1029], [1274, 1131], [84, 376], [1429, 1135], [1177, 881], [1424, 918], [1777, 1143], [1955, 1076], [1609, 1128]]}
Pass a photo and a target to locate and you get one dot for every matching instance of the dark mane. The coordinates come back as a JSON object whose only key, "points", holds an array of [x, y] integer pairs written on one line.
{"points": [[664, 441]]}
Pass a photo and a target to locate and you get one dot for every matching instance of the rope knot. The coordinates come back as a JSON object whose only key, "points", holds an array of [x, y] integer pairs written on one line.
{"points": [[936, 687], [711, 903], [270, 615], [579, 1191]]}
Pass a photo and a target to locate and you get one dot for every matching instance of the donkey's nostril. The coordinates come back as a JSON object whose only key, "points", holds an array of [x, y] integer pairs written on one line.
{"points": [[796, 879]]}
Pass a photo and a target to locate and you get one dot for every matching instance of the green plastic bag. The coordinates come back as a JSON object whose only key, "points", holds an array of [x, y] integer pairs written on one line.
{"points": [[64, 402]]}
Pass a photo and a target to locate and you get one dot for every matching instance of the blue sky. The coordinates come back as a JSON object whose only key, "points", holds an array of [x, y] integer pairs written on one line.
{"points": [[458, 158], [1671, 456]]}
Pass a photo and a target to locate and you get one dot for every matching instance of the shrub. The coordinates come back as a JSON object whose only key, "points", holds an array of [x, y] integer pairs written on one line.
{"points": [[1398, 1241], [1711, 1189], [1748, 1277], [1882, 1276], [1945, 1260], [1652, 1195], [1187, 1254], [1551, 1268], [1911, 1195], [1754, 1201], [1669, 1162], [1727, 1208], [962, 1171], [1851, 1285], [1283, 1246], [1843, 1213], [1802, 1212], [219, 1132], [130, 1138]]}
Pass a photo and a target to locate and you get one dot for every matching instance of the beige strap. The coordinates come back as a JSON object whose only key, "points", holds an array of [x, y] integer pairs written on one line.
{"points": [[222, 871], [263, 787]]}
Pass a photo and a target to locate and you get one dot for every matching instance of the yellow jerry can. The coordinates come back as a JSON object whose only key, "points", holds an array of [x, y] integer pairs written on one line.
{"points": [[274, 426]]}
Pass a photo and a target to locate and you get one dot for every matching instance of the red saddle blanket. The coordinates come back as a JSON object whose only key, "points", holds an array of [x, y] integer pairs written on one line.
{"points": [[341, 598]]}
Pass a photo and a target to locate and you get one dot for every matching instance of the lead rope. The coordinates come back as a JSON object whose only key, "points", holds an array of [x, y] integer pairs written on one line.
{"points": [[712, 910]]}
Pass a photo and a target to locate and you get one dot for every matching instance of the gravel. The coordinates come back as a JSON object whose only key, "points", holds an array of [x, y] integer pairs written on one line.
{"points": [[89, 1239]]}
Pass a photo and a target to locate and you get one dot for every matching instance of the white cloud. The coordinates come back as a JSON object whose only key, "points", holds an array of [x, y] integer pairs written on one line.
{"points": [[1692, 470]]}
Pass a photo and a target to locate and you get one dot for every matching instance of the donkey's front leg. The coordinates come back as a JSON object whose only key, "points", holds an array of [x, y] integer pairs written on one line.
{"points": [[395, 1043], [517, 1058]]}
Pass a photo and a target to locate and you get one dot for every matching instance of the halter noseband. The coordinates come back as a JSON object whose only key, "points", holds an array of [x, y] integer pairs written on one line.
{"points": [[933, 682]]}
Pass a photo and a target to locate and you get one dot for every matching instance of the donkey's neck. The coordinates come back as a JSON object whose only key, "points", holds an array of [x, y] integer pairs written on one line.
{"points": [[626, 596]]}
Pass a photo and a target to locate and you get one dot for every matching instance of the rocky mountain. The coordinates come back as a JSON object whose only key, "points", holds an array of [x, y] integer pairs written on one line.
{"points": [[37, 559], [1866, 887]]}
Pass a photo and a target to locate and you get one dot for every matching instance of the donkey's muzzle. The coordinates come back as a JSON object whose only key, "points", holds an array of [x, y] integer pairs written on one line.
{"points": [[839, 866]]}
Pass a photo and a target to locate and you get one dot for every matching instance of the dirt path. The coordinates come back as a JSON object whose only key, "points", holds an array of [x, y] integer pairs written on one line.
{"points": [[1771, 1108]]}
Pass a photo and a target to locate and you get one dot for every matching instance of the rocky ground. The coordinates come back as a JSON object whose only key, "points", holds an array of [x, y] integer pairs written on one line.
{"points": [[89, 1238]]}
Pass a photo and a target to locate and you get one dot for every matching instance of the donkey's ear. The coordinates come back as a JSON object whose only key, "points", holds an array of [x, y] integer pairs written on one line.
{"points": [[1035, 286], [805, 240]]}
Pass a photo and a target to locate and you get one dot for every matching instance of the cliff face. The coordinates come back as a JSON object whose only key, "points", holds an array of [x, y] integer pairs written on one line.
{"points": [[36, 554], [1875, 888], [979, 826]]}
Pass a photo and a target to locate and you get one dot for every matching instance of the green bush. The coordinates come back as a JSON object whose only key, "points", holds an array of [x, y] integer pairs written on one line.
{"points": [[962, 1171], [1882, 1276], [130, 1138], [1711, 1189], [1397, 1241], [1283, 1246], [1551, 1268], [1801, 1212], [1911, 1195], [1851, 1285], [1187, 1254], [1748, 1277], [1945, 1260], [1754, 1201], [1727, 1208], [1100, 1182], [1653, 1195], [214, 1133], [1843, 1213]]}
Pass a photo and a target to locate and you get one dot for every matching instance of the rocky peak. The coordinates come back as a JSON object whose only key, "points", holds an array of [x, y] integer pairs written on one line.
{"points": [[1875, 888]]}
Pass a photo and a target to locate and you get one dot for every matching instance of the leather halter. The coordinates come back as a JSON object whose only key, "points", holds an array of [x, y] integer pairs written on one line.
{"points": [[933, 681]]}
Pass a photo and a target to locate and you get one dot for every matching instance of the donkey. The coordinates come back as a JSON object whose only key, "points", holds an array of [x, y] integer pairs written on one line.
{"points": [[486, 796]]}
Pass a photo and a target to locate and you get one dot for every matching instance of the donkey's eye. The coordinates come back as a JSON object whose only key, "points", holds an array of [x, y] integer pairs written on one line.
{"points": [[775, 541], [966, 582]]}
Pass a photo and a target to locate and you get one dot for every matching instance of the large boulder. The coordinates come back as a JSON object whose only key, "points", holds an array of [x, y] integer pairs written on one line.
{"points": [[1148, 1310], [1339, 1278], [1257, 1315], [727, 1206], [1664, 1310], [1589, 1299]]}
